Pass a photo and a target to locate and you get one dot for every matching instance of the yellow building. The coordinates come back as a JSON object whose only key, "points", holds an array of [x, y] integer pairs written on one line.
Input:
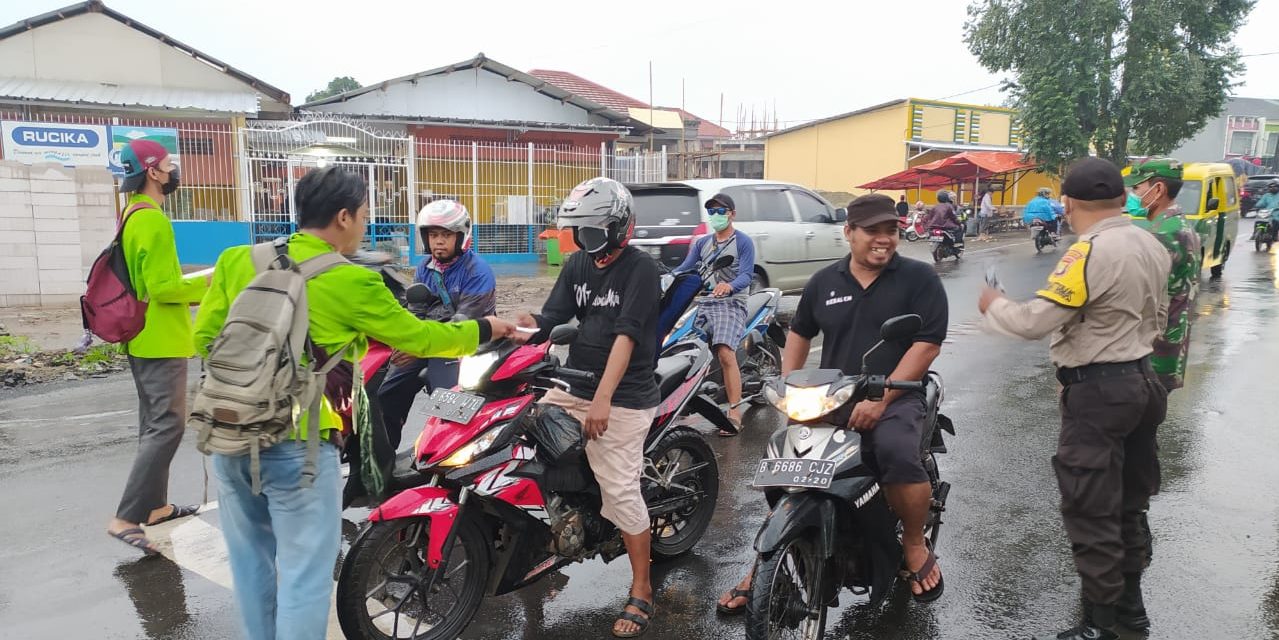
{"points": [[843, 151]]}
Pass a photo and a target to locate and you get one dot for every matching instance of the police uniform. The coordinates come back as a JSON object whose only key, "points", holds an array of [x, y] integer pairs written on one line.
{"points": [[1104, 304]]}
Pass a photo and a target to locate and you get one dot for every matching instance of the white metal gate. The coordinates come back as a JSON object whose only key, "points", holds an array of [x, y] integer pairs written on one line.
{"points": [[276, 156]]}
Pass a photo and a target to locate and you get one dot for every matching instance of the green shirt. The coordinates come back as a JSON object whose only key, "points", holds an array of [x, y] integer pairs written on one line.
{"points": [[348, 305], [152, 258]]}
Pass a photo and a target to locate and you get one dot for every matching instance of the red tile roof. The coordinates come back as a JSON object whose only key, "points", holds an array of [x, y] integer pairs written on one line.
{"points": [[612, 99]]}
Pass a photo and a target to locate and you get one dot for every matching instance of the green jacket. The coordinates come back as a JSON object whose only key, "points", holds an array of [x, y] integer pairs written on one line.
{"points": [[152, 258], [348, 305]]}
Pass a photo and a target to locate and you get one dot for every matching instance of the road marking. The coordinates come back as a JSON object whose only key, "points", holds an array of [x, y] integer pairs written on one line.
{"points": [[86, 416], [1002, 246]]}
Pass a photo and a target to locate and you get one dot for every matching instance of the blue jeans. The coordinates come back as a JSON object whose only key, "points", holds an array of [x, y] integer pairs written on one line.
{"points": [[283, 543]]}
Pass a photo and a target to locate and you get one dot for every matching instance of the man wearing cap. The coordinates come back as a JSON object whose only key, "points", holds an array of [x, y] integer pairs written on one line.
{"points": [[1154, 185], [158, 355], [723, 315], [1104, 304], [846, 303]]}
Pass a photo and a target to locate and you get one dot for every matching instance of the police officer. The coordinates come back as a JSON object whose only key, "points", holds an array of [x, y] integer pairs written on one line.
{"points": [[1104, 304]]}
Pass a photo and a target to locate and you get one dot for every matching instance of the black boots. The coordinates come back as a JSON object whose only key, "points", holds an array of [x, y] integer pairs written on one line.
{"points": [[1131, 610], [1099, 624]]}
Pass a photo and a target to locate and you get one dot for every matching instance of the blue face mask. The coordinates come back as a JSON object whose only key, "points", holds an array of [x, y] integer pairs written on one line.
{"points": [[717, 222], [1134, 207]]}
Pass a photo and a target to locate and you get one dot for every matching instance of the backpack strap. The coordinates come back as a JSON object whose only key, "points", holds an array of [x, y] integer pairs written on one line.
{"points": [[313, 416]]}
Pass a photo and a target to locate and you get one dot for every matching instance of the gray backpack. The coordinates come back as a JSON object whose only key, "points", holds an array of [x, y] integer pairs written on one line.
{"points": [[257, 376]]}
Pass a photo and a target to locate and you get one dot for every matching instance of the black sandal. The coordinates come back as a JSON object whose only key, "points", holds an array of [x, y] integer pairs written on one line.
{"points": [[178, 512], [645, 607], [737, 428], [137, 539], [733, 595], [918, 577]]}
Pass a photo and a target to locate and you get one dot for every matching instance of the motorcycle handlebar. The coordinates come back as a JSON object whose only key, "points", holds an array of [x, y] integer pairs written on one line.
{"points": [[575, 374], [904, 385]]}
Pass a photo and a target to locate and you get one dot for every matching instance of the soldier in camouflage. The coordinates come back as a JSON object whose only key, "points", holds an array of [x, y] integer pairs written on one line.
{"points": [[1153, 187]]}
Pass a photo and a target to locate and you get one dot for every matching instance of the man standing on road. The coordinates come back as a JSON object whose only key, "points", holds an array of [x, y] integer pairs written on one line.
{"points": [[461, 283], [283, 540], [158, 355], [723, 315], [985, 211], [1155, 185], [614, 291], [1104, 304], [846, 303], [903, 208]]}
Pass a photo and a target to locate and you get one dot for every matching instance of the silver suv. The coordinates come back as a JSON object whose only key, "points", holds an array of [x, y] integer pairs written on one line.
{"points": [[796, 232]]}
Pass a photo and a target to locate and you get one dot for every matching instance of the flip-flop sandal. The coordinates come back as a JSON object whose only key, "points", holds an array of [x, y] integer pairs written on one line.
{"points": [[178, 512], [733, 595], [136, 538], [918, 577], [737, 428], [646, 608]]}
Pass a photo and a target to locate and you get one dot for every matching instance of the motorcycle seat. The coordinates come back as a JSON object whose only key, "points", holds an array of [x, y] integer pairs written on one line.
{"points": [[757, 301], [671, 371]]}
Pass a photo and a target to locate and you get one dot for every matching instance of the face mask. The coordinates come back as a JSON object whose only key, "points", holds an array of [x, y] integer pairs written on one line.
{"points": [[718, 223], [1134, 206], [172, 185]]}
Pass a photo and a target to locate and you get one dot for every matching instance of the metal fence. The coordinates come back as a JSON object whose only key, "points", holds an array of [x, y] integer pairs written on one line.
{"points": [[248, 174], [205, 149]]}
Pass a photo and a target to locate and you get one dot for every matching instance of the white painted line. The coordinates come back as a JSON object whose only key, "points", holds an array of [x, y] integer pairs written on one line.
{"points": [[1002, 246], [85, 416]]}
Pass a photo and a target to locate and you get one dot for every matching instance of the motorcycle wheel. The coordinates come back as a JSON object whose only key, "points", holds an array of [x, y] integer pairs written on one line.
{"points": [[1039, 244], [379, 592], [763, 363], [681, 464], [785, 601], [911, 236], [937, 254], [1259, 243]]}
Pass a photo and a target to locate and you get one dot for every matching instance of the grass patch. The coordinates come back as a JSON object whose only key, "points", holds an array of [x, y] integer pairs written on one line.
{"points": [[16, 346]]}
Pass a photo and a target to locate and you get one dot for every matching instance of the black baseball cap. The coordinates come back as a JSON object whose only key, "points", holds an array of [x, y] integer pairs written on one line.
{"points": [[1093, 179], [871, 209], [723, 199]]}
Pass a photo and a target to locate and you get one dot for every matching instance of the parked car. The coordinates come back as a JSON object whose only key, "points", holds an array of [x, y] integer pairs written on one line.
{"points": [[795, 231], [1252, 190]]}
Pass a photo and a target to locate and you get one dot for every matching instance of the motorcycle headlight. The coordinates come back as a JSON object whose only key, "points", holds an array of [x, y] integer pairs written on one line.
{"points": [[475, 448], [804, 404], [470, 373]]}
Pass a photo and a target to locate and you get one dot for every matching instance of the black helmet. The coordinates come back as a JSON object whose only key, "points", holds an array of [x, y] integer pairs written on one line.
{"points": [[599, 212], [1273, 184]]}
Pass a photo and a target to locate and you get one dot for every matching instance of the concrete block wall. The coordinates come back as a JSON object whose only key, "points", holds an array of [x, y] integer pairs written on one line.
{"points": [[54, 221]]}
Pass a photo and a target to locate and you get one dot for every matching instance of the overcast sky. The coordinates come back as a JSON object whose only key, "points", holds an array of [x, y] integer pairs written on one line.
{"points": [[810, 59]]}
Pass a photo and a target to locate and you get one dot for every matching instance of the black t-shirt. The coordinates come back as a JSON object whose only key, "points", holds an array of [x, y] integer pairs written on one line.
{"points": [[622, 298], [848, 316]]}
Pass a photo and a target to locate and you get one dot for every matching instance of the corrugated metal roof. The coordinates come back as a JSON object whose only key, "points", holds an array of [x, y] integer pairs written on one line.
{"points": [[128, 95]]}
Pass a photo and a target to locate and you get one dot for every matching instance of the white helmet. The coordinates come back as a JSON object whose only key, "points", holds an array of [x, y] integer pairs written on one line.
{"points": [[446, 214]]}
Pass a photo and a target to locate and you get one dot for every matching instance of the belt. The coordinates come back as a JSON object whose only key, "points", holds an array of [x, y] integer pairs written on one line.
{"points": [[1071, 375]]}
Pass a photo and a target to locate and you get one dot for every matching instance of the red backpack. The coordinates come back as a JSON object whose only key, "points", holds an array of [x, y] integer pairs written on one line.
{"points": [[110, 306]]}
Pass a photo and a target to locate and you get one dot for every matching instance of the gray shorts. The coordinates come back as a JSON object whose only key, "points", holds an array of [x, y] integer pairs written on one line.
{"points": [[724, 319]]}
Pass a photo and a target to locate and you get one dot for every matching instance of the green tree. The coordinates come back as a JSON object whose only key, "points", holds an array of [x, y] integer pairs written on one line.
{"points": [[1120, 76], [336, 86]]}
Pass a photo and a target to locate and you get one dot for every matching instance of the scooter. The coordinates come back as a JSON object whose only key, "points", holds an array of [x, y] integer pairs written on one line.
{"points": [[1042, 237], [507, 496], [1263, 231], [830, 526], [759, 355], [947, 243], [914, 229]]}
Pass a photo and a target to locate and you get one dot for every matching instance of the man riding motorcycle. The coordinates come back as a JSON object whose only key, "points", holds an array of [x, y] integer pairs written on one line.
{"points": [[1041, 208], [1269, 202], [461, 283]]}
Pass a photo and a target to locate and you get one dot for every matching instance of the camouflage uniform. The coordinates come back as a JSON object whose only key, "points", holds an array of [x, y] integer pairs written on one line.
{"points": [[1178, 236]]}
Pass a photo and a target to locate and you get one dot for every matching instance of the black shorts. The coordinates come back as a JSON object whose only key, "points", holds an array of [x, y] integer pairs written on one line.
{"points": [[893, 448]]}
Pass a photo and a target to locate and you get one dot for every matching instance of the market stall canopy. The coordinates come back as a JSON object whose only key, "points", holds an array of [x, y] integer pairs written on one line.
{"points": [[911, 178]]}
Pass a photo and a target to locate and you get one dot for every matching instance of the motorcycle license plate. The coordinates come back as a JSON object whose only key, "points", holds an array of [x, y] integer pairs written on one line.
{"points": [[936, 239], [453, 406], [793, 472]]}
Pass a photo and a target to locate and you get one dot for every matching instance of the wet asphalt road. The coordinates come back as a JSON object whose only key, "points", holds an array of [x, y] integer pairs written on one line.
{"points": [[65, 450]]}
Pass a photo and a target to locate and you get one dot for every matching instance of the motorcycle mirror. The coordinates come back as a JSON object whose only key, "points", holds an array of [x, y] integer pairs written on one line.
{"points": [[563, 334], [901, 327], [417, 293], [722, 262]]}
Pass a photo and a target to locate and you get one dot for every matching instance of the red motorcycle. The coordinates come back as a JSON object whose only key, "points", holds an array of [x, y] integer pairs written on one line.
{"points": [[508, 498]]}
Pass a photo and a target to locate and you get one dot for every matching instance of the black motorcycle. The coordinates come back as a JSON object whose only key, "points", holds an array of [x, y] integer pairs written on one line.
{"points": [[830, 526], [1263, 233], [947, 243]]}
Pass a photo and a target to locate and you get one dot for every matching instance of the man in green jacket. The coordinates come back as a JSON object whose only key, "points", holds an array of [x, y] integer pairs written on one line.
{"points": [[158, 355], [282, 543]]}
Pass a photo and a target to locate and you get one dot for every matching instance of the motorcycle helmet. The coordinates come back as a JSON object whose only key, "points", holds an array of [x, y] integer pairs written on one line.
{"points": [[1273, 185], [449, 215], [943, 196], [600, 214]]}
